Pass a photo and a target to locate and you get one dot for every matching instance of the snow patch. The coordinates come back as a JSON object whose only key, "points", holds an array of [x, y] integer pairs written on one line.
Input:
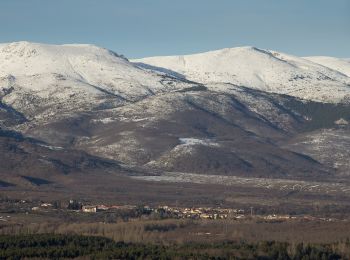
{"points": [[106, 120], [195, 141]]}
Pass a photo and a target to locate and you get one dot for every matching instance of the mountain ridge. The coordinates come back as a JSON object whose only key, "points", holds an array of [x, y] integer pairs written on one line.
{"points": [[259, 69], [96, 103]]}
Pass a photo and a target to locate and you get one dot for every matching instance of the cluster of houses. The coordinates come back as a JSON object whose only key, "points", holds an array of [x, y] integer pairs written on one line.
{"points": [[203, 212], [182, 212], [176, 212], [278, 217], [97, 208]]}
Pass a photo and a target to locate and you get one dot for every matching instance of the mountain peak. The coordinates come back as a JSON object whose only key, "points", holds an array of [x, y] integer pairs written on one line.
{"points": [[260, 69], [29, 58], [26, 49], [243, 48], [80, 70]]}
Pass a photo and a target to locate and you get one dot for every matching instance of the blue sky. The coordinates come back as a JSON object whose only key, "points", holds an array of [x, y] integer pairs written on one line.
{"points": [[166, 27]]}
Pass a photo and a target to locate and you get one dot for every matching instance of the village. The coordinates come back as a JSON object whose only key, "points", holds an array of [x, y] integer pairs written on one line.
{"points": [[204, 213], [169, 212], [129, 212], [176, 212]]}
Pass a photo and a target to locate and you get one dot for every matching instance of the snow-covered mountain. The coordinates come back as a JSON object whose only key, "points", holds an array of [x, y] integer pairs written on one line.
{"points": [[37, 78], [200, 113], [264, 70], [92, 70], [341, 65]]}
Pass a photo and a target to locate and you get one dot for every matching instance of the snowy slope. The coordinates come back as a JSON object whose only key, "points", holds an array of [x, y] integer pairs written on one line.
{"points": [[259, 69], [341, 65], [87, 98], [39, 77], [87, 66]]}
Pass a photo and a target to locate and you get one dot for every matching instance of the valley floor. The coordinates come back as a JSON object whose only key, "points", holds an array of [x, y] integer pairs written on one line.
{"points": [[271, 196], [315, 216], [138, 227]]}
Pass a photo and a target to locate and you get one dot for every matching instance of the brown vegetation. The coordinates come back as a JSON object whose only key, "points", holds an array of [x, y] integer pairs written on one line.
{"points": [[184, 231]]}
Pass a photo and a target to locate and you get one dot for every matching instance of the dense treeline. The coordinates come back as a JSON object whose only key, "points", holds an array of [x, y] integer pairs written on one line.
{"points": [[72, 246], [51, 246]]}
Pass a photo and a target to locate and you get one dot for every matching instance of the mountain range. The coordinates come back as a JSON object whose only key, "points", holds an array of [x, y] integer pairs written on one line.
{"points": [[248, 112]]}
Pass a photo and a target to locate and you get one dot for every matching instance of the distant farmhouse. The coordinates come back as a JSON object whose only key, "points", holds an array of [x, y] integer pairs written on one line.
{"points": [[91, 209]]}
